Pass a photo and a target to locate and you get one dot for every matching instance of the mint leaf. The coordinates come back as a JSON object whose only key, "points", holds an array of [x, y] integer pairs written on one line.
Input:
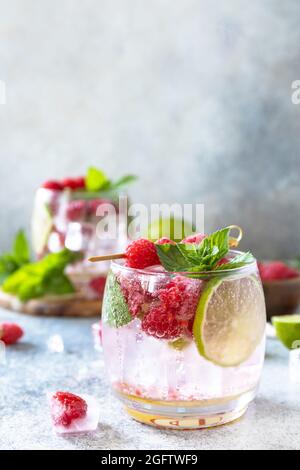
{"points": [[174, 257], [193, 259], [7, 266], [44, 277], [124, 181], [238, 262], [187, 257], [19, 256], [21, 250], [214, 247], [96, 180], [115, 308]]}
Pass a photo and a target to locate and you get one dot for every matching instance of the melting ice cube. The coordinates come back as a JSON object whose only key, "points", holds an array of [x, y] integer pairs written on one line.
{"points": [[55, 344], [81, 425]]}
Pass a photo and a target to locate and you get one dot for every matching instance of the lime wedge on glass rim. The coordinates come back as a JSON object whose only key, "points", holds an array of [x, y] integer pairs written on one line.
{"points": [[230, 320], [287, 330]]}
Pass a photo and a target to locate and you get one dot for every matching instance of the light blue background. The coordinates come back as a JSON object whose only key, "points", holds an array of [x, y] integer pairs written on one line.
{"points": [[194, 96]]}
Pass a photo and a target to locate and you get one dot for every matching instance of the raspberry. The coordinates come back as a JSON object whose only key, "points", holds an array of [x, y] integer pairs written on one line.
{"points": [[10, 333], [52, 185], [172, 314], [194, 238], [65, 407], [141, 253], [75, 210], [98, 284], [69, 183], [93, 205], [223, 261], [276, 270], [164, 241], [80, 182], [97, 333], [137, 298]]}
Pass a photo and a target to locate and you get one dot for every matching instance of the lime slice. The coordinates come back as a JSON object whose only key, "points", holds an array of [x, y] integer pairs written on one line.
{"points": [[230, 320], [41, 227], [287, 330], [170, 227]]}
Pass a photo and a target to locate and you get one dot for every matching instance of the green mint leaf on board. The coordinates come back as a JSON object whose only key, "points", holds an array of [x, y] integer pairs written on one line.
{"points": [[21, 250], [8, 265], [19, 256], [44, 277], [115, 308], [238, 262], [96, 180], [204, 257]]}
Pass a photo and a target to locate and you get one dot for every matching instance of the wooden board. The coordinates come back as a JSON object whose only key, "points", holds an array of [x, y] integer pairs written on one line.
{"points": [[74, 305]]}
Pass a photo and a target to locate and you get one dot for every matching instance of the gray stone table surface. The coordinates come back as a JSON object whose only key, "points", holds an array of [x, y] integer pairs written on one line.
{"points": [[31, 369]]}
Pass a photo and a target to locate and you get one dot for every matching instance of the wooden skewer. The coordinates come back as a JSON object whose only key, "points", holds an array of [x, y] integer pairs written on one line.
{"points": [[233, 243], [94, 259]]}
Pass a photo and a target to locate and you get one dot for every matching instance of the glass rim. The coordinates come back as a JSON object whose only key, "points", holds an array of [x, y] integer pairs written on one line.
{"points": [[148, 272]]}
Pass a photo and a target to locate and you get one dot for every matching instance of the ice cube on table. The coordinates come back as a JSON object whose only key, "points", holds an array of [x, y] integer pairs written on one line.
{"points": [[56, 344], [81, 425], [294, 366]]}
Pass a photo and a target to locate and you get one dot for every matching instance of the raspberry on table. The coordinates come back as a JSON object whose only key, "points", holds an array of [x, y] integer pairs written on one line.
{"points": [[141, 254], [172, 314], [53, 185], [194, 238], [276, 270], [66, 407], [10, 333]]}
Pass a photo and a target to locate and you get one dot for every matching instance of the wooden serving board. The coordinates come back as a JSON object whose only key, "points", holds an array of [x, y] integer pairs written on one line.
{"points": [[74, 305]]}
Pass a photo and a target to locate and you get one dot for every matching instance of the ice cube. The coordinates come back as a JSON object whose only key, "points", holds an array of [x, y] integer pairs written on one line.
{"points": [[294, 366], [81, 425], [97, 335], [55, 344]]}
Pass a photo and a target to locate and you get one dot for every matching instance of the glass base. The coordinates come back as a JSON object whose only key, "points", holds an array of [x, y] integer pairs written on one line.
{"points": [[186, 415]]}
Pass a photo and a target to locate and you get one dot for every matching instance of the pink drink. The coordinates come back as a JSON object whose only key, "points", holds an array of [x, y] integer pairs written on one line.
{"points": [[167, 373]]}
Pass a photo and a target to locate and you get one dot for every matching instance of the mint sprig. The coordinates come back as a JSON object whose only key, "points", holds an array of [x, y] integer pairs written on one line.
{"points": [[44, 277], [238, 262], [193, 258], [96, 180], [17, 257]]}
